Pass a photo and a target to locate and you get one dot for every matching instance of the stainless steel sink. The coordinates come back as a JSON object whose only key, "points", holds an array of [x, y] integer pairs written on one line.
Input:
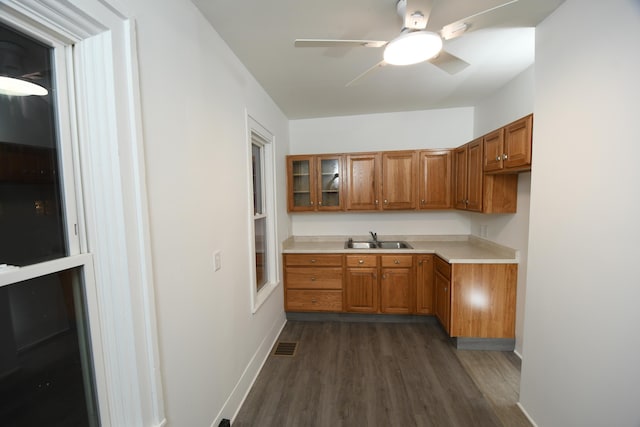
{"points": [[394, 245], [352, 244], [390, 244]]}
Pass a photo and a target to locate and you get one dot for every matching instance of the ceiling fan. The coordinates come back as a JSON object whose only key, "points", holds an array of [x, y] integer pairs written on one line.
{"points": [[415, 43]]}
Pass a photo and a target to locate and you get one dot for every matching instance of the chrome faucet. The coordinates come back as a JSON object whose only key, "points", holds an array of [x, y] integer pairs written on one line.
{"points": [[374, 236]]}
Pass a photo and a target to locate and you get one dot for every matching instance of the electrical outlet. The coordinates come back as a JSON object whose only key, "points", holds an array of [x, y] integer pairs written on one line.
{"points": [[217, 260]]}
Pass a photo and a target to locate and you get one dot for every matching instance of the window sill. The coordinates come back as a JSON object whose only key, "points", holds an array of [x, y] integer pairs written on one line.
{"points": [[262, 296]]}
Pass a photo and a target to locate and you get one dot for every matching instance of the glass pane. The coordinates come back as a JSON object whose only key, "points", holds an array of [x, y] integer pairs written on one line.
{"points": [[261, 252], [330, 182], [31, 219], [46, 375], [256, 157]]}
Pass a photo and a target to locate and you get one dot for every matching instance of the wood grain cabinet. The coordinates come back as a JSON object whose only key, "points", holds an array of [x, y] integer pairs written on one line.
{"points": [[476, 300], [508, 149], [314, 183], [435, 179], [479, 192], [399, 180], [313, 282], [442, 285], [397, 284], [363, 181], [424, 284], [361, 284]]}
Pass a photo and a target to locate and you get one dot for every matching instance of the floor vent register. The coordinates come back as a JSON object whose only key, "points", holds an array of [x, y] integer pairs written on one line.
{"points": [[285, 349]]}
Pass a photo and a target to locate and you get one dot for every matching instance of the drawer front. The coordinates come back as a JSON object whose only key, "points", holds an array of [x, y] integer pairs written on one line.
{"points": [[362, 261], [301, 300], [320, 260], [314, 278], [396, 260], [443, 267]]}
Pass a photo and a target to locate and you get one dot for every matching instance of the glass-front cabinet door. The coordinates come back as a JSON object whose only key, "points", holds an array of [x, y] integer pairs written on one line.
{"points": [[329, 183], [300, 174], [314, 183]]}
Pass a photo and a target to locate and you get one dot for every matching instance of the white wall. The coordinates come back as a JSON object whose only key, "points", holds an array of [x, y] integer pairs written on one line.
{"points": [[511, 102], [581, 353], [194, 95], [443, 128]]}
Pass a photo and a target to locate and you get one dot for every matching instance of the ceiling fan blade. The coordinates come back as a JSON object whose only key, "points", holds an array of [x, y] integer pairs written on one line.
{"points": [[369, 71], [416, 13], [338, 43], [449, 63], [459, 27]]}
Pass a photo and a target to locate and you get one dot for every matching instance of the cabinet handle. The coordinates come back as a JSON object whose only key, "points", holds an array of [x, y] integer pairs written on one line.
{"points": [[313, 300], [313, 261], [384, 276], [360, 261], [386, 202], [310, 203], [313, 279], [376, 202], [422, 201], [504, 157], [395, 261], [319, 203], [498, 158], [420, 262]]}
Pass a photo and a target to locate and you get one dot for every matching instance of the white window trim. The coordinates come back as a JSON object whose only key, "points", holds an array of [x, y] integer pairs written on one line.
{"points": [[258, 297], [122, 316]]}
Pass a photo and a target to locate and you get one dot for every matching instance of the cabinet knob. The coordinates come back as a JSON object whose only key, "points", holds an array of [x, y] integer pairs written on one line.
{"points": [[313, 279], [420, 262], [376, 202], [395, 261], [313, 300], [422, 201], [384, 276], [319, 203], [310, 203], [498, 158], [504, 157], [360, 261], [386, 202], [313, 261]]}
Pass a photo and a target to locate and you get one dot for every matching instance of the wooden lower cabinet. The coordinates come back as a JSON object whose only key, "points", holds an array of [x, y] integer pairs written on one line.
{"points": [[442, 286], [424, 284], [397, 284], [476, 300], [313, 282]]}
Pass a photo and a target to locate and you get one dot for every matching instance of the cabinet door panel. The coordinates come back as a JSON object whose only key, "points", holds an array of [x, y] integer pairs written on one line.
{"points": [[493, 150], [363, 182], [461, 173], [314, 278], [442, 285], [329, 183], [476, 175], [399, 184], [517, 143], [435, 179], [424, 285], [310, 300], [361, 290], [300, 183], [395, 291]]}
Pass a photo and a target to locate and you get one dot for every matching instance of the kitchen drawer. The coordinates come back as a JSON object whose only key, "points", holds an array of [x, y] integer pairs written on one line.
{"points": [[314, 278], [311, 300], [316, 260], [362, 260], [443, 267], [396, 260]]}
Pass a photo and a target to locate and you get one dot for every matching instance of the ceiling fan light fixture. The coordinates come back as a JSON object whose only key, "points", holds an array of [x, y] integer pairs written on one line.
{"points": [[412, 47], [17, 87]]}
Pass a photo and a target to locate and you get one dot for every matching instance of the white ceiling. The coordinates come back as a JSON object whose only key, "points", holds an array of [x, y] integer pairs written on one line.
{"points": [[310, 82]]}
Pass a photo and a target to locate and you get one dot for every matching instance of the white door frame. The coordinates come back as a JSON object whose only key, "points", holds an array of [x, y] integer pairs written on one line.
{"points": [[114, 226]]}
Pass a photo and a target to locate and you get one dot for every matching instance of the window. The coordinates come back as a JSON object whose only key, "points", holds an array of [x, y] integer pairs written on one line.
{"points": [[263, 228]]}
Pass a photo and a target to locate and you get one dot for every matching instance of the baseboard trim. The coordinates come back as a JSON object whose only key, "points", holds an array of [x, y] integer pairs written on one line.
{"points": [[358, 317], [526, 414], [244, 385]]}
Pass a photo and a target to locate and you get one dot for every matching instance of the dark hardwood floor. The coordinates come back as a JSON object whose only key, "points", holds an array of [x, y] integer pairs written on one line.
{"points": [[382, 374]]}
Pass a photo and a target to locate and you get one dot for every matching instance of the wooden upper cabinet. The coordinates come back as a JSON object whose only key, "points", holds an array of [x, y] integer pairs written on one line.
{"points": [[493, 150], [475, 175], [469, 176], [435, 179], [314, 183], [460, 181], [508, 149], [399, 179], [363, 181]]}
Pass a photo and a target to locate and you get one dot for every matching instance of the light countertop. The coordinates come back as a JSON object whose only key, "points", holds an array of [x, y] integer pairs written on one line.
{"points": [[458, 249]]}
